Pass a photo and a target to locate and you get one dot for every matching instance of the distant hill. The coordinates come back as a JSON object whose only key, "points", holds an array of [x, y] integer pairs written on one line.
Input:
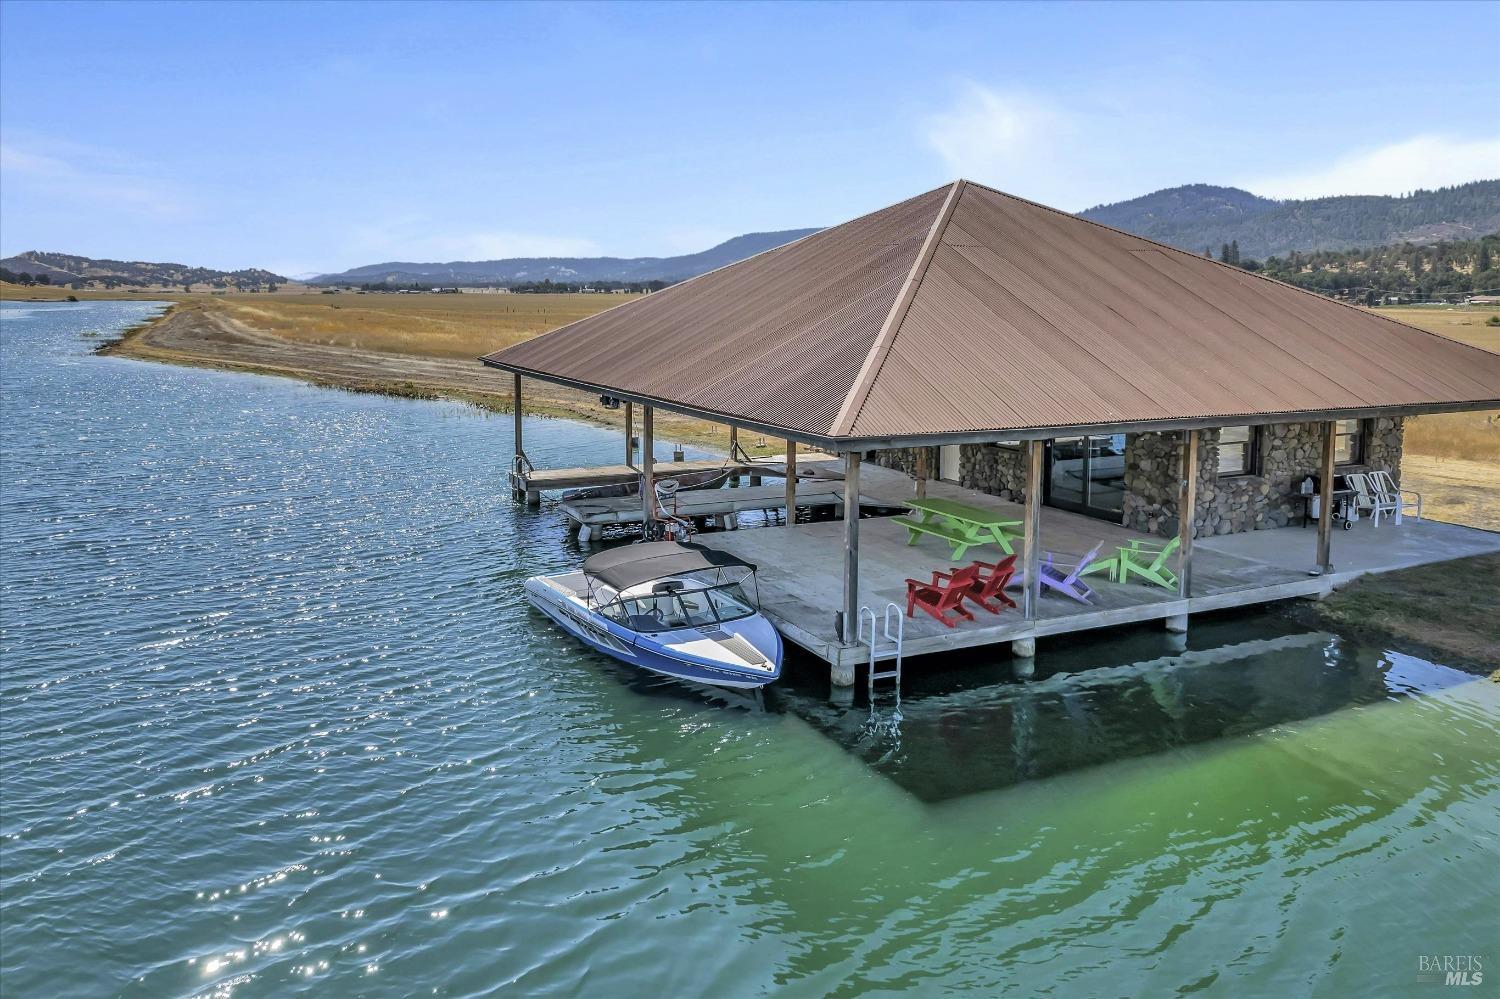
{"points": [[1199, 216], [64, 268], [530, 270]]}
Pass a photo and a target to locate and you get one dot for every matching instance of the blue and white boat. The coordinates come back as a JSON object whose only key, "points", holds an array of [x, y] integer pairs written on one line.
{"points": [[671, 607]]}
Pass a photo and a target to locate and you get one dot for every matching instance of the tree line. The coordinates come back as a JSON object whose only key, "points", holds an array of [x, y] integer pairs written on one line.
{"points": [[547, 287], [22, 277], [1446, 269]]}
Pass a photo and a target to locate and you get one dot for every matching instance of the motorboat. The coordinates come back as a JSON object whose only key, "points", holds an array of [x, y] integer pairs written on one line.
{"points": [[675, 608]]}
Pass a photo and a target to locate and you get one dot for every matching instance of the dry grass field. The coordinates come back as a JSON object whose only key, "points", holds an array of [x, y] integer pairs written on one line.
{"points": [[453, 326], [1453, 459], [456, 326]]}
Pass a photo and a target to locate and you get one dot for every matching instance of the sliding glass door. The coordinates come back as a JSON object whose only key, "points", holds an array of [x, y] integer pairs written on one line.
{"points": [[1087, 475]]}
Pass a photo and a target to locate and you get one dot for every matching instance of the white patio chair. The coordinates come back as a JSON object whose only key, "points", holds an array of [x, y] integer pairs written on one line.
{"points": [[1369, 499], [1385, 484]]}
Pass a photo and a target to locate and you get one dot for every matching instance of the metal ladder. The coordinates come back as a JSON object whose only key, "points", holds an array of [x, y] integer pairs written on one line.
{"points": [[894, 642], [520, 468]]}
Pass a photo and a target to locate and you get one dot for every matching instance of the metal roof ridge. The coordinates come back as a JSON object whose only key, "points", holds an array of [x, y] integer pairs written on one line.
{"points": [[1157, 244], [864, 381], [495, 355]]}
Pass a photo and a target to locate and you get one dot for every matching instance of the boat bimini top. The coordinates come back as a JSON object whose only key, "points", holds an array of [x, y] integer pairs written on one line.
{"points": [[669, 585]]}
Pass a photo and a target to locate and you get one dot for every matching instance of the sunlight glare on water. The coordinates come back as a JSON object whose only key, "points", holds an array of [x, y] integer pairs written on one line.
{"points": [[275, 715]]}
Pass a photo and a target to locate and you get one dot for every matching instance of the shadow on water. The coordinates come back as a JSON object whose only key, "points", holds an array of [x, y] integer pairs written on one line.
{"points": [[980, 720], [963, 725]]}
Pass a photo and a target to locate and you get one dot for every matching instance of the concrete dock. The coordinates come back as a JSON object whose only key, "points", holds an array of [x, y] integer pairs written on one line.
{"points": [[801, 571]]}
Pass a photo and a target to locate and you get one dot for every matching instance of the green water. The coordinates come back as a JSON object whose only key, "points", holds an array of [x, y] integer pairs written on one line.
{"points": [[273, 718]]}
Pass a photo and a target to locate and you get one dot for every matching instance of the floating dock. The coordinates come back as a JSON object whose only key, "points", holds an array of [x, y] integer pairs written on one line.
{"points": [[592, 515], [535, 481]]}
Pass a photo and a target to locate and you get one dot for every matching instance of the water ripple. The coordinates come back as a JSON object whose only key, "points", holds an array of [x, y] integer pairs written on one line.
{"points": [[275, 718]]}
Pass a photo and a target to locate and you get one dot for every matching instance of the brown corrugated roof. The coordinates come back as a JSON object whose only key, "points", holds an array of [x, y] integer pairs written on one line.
{"points": [[968, 311]]}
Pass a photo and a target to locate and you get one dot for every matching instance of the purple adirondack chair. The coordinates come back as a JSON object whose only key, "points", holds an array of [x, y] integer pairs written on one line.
{"points": [[1064, 576]]}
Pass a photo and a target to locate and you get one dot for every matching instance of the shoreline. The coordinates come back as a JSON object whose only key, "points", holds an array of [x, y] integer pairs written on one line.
{"points": [[1442, 611], [194, 334], [1405, 606]]}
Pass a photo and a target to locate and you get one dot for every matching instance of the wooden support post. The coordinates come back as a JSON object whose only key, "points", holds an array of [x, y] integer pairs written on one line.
{"points": [[921, 487], [734, 442], [841, 674], [1325, 500], [791, 483], [1187, 501], [648, 468], [1032, 528], [629, 433], [851, 547], [516, 407], [520, 488]]}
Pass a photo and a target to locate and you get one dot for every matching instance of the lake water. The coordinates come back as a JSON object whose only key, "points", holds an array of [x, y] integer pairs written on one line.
{"points": [[273, 715]]}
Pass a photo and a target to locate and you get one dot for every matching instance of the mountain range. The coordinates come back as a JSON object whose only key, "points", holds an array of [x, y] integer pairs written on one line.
{"points": [[519, 270], [1194, 217], [1200, 216], [65, 268]]}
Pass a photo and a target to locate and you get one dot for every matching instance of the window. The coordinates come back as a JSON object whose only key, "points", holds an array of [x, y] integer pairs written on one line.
{"points": [[1239, 450], [1348, 443], [673, 608]]}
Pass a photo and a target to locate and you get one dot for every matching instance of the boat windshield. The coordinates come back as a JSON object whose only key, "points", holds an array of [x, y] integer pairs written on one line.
{"points": [[670, 606]]}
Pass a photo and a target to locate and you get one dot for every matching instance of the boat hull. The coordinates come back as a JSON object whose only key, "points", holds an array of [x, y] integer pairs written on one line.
{"points": [[661, 653]]}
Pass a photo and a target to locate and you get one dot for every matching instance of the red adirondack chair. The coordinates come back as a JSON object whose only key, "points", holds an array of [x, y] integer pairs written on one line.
{"points": [[990, 581], [938, 597]]}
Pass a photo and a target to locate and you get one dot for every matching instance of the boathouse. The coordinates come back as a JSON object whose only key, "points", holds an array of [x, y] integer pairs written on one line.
{"points": [[970, 343]]}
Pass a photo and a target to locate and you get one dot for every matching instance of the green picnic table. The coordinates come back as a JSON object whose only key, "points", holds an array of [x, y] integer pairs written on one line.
{"points": [[963, 525]]}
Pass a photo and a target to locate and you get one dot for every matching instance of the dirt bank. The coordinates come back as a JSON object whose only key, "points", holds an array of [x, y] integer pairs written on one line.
{"points": [[201, 335]]}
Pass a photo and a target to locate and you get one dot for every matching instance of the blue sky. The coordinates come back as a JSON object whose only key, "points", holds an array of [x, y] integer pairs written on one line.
{"points": [[322, 136]]}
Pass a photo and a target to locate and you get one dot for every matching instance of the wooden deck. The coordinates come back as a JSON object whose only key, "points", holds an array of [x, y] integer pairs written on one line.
{"points": [[591, 515], [809, 465], [801, 571]]}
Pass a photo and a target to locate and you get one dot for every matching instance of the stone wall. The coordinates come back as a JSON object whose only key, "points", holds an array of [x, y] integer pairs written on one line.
{"points": [[1288, 453], [904, 459], [1384, 440], [999, 471], [988, 468]]}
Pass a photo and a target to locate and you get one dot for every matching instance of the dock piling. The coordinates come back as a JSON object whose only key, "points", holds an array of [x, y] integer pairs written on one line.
{"points": [[648, 469], [1187, 501], [843, 675], [791, 483], [1325, 500], [1032, 526]]}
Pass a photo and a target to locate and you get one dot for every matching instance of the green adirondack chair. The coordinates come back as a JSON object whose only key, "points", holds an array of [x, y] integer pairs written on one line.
{"points": [[1147, 559]]}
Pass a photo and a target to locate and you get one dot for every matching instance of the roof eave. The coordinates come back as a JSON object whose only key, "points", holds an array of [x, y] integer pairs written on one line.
{"points": [[869, 442]]}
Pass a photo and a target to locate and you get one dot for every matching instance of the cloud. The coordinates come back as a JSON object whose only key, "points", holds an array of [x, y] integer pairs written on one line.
{"points": [[1425, 161], [1010, 139], [78, 173]]}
